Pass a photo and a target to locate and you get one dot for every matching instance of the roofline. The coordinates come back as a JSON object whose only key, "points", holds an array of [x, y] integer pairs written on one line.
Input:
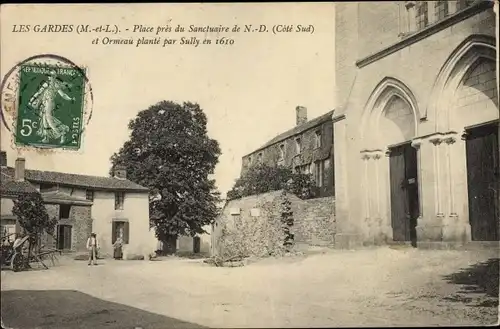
{"points": [[131, 189], [64, 201], [16, 194], [297, 133], [50, 200]]}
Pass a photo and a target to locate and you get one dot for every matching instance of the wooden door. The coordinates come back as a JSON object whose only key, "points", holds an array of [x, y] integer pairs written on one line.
{"points": [[411, 188], [483, 182], [404, 192], [60, 237], [64, 237], [67, 237]]}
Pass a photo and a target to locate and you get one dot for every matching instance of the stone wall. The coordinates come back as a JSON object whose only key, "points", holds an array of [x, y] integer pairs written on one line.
{"points": [[53, 211], [314, 220], [378, 25], [346, 34], [82, 226], [186, 244], [80, 220]]}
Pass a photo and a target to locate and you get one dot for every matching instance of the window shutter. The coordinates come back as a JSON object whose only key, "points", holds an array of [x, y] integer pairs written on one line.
{"points": [[125, 233], [113, 232], [67, 237]]}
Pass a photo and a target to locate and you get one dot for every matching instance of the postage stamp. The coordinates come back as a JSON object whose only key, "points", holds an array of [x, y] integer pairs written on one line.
{"points": [[50, 109], [46, 103]]}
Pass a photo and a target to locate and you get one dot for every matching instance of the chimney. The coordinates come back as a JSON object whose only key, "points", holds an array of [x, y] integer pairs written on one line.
{"points": [[3, 159], [301, 115], [19, 169], [120, 172]]}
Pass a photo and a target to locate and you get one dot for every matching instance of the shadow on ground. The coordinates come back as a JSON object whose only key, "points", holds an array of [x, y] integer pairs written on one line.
{"points": [[71, 309], [481, 278]]}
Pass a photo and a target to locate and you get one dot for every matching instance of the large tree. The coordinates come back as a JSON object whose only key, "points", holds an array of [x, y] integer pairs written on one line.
{"points": [[170, 152]]}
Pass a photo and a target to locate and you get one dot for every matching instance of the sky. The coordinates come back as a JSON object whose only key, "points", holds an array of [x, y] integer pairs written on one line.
{"points": [[248, 90]]}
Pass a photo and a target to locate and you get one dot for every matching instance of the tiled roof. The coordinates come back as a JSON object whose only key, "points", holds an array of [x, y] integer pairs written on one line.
{"points": [[11, 187], [298, 130], [85, 181]]}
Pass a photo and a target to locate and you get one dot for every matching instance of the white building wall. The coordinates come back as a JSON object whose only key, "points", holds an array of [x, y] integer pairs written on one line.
{"points": [[135, 210]]}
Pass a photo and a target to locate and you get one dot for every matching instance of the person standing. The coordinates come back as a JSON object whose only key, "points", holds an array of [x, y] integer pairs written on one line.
{"points": [[92, 247], [117, 246]]}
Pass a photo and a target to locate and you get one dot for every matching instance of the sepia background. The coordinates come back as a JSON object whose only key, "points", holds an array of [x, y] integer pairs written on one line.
{"points": [[248, 90]]}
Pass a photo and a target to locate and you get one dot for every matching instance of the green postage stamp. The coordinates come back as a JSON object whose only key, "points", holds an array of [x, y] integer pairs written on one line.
{"points": [[51, 106]]}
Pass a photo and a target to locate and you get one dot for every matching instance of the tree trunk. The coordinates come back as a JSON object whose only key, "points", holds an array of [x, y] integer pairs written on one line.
{"points": [[30, 250], [169, 244]]}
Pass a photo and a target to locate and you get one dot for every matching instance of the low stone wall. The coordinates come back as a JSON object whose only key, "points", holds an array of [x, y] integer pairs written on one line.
{"points": [[253, 224], [80, 220], [314, 221]]}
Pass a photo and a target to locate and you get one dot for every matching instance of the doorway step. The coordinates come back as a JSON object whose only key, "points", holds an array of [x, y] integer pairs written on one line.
{"points": [[399, 244], [472, 245]]}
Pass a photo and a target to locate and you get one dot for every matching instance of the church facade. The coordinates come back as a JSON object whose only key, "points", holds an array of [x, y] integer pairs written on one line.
{"points": [[416, 123]]}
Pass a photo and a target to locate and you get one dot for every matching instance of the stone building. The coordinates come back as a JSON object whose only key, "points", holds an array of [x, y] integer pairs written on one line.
{"points": [[108, 206], [416, 123], [306, 148]]}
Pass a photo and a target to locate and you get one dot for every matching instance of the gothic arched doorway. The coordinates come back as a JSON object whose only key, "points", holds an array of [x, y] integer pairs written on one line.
{"points": [[399, 126], [390, 127], [476, 108]]}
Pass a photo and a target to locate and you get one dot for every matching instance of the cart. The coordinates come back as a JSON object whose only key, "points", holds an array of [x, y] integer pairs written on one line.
{"points": [[19, 255]]}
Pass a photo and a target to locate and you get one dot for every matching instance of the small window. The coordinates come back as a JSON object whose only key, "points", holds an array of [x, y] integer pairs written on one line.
{"points": [[422, 14], [64, 211], [259, 157], [47, 187], [250, 159], [282, 151], [462, 4], [441, 9], [298, 145], [318, 173], [89, 195], [119, 200], [317, 139]]}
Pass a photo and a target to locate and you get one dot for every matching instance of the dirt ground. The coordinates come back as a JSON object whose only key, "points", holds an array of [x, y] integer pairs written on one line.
{"points": [[376, 287]]}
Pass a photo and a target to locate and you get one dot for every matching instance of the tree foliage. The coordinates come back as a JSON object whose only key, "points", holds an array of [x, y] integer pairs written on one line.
{"points": [[32, 215], [262, 178], [170, 152]]}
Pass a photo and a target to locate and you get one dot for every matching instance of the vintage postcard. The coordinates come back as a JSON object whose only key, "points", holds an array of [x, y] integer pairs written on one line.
{"points": [[249, 165]]}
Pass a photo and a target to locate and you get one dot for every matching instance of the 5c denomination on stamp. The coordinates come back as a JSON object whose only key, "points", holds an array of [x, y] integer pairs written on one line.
{"points": [[48, 101]]}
